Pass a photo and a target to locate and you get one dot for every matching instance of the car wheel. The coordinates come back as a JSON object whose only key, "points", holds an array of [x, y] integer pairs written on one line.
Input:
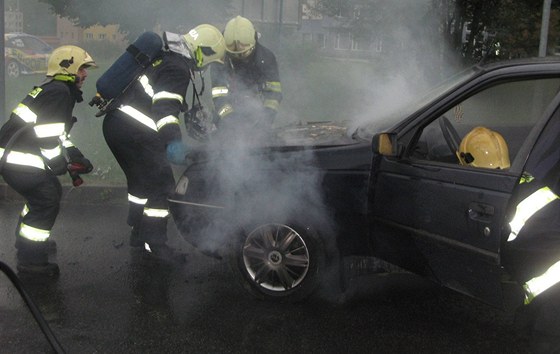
{"points": [[278, 262], [12, 69]]}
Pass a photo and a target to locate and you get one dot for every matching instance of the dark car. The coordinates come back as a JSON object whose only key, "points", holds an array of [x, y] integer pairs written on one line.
{"points": [[25, 54], [287, 215]]}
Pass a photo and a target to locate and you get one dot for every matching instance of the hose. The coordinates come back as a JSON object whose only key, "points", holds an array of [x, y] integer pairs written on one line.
{"points": [[57, 347]]}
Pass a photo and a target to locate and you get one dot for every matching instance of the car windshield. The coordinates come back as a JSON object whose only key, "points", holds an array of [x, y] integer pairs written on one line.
{"points": [[390, 118]]}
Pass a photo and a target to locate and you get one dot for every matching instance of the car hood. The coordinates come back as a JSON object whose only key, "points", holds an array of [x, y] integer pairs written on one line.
{"points": [[313, 134]]}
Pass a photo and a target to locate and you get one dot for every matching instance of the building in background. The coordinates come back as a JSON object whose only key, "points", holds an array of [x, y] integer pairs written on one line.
{"points": [[273, 18], [13, 20]]}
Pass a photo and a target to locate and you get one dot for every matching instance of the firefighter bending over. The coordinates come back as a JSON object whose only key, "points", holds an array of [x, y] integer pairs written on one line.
{"points": [[144, 134], [246, 90], [35, 148]]}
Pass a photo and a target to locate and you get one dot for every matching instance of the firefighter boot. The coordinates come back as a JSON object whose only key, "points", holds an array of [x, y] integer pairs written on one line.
{"points": [[35, 261], [49, 245], [165, 254]]}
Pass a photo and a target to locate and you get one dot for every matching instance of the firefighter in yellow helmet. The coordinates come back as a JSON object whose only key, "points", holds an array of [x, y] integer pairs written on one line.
{"points": [[144, 134], [484, 148], [35, 148], [246, 90]]}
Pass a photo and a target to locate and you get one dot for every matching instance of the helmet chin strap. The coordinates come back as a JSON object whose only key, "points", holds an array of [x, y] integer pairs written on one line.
{"points": [[67, 78]]}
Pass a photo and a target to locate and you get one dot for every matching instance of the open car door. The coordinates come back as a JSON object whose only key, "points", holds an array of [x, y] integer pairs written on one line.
{"points": [[436, 217]]}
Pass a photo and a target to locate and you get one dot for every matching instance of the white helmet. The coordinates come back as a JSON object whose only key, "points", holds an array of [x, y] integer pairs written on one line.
{"points": [[67, 60], [206, 44], [240, 37]]}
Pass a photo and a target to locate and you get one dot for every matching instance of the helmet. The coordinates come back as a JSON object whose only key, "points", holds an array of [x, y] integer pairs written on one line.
{"points": [[482, 147], [206, 44], [241, 37], [67, 60]]}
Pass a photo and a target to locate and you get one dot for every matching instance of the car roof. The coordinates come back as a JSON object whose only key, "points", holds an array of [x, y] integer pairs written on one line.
{"points": [[520, 63]]}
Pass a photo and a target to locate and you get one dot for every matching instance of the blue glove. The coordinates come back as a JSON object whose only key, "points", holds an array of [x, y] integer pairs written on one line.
{"points": [[176, 152]]}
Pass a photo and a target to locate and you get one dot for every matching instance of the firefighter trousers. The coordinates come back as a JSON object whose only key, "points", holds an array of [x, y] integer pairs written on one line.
{"points": [[42, 192], [141, 155]]}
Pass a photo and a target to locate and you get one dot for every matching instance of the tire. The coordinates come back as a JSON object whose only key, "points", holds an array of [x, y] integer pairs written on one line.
{"points": [[277, 262], [13, 69]]}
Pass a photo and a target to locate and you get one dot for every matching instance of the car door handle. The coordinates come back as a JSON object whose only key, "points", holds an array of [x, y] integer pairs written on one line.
{"points": [[480, 212]]}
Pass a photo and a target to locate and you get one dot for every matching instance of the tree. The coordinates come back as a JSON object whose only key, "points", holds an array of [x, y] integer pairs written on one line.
{"points": [[137, 16], [472, 29]]}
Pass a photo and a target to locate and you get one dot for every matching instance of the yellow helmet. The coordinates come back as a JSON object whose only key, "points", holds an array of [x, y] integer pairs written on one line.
{"points": [[206, 44], [241, 37], [67, 60], [485, 148]]}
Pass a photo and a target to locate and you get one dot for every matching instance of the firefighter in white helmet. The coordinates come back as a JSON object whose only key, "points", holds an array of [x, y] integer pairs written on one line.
{"points": [[35, 148], [144, 133], [246, 90]]}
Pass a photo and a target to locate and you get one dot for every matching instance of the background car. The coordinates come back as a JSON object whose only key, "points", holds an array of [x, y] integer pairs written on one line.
{"points": [[288, 215], [25, 54]]}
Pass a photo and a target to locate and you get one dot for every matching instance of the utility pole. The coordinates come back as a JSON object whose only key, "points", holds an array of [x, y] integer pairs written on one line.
{"points": [[2, 66], [544, 28]]}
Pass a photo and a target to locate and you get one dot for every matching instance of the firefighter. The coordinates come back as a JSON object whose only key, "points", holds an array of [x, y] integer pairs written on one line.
{"points": [[144, 134], [532, 249], [246, 90], [35, 148]]}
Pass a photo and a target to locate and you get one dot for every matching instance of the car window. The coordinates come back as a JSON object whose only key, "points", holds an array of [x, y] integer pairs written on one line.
{"points": [[35, 45], [510, 109], [16, 43]]}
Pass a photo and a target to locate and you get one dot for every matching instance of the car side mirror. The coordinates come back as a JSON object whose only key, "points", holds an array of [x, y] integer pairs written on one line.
{"points": [[385, 144]]}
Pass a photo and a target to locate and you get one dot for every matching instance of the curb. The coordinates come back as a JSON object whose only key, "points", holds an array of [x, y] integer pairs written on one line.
{"points": [[87, 194]]}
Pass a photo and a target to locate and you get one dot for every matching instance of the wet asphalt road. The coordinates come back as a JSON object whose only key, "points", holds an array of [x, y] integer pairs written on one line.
{"points": [[108, 299]]}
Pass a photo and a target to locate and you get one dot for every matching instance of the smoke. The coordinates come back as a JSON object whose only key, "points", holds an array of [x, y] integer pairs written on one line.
{"points": [[258, 186]]}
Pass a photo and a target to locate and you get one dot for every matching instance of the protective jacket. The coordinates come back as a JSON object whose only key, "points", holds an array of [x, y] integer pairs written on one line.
{"points": [[36, 155], [46, 111], [532, 250], [137, 132], [251, 87]]}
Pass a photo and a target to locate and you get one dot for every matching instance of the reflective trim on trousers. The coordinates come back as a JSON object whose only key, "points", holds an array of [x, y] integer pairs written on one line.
{"points": [[156, 213], [137, 200], [33, 234], [539, 284]]}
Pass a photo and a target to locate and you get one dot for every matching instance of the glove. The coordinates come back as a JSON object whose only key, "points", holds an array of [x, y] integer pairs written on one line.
{"points": [[176, 152], [77, 159], [80, 165]]}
